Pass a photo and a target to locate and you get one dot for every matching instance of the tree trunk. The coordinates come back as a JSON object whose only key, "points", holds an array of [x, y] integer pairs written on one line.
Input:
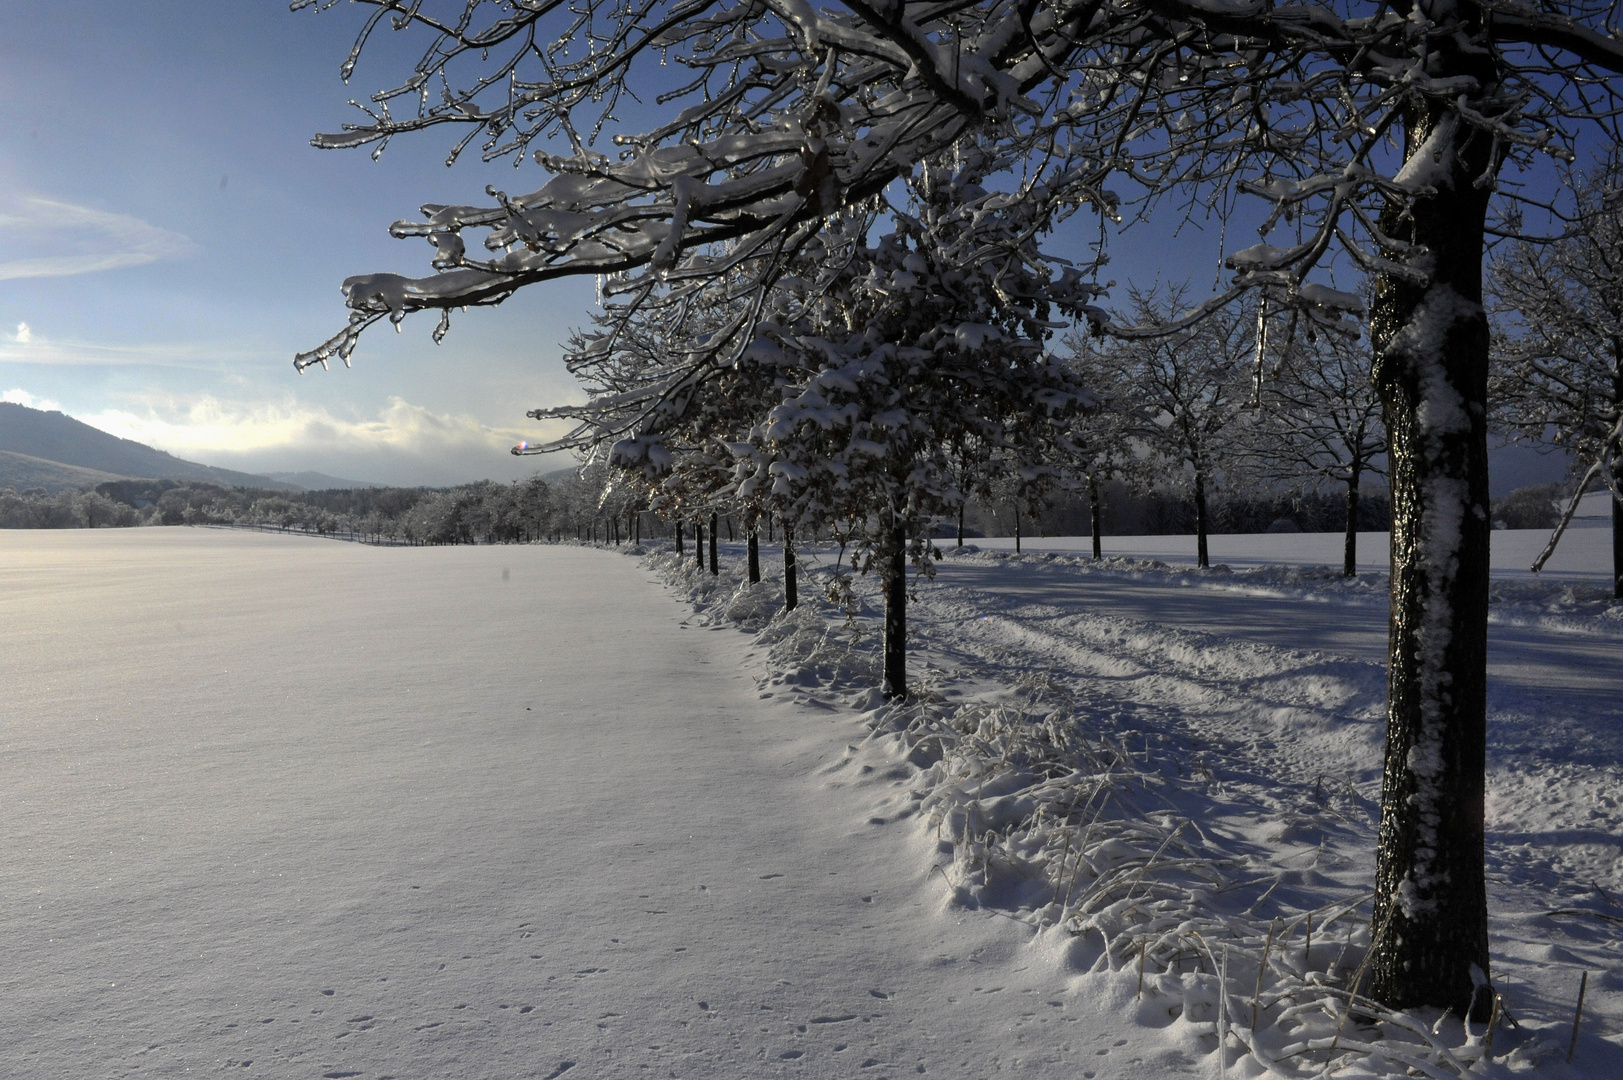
{"points": [[1617, 475], [678, 535], [1202, 559], [730, 536], [1093, 515], [895, 685], [636, 529], [1617, 541], [1017, 530], [755, 557], [1431, 367], [790, 598], [1349, 547], [698, 542], [960, 524], [715, 567]]}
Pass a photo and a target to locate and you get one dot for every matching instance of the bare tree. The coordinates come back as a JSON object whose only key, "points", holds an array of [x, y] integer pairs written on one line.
{"points": [[1189, 387], [1560, 342], [1379, 130], [1320, 421]]}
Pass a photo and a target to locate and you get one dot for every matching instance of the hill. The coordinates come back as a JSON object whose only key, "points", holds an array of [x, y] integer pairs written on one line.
{"points": [[21, 472], [319, 481], [54, 438]]}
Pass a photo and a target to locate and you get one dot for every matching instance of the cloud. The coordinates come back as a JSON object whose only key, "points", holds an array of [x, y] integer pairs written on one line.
{"points": [[28, 346], [402, 442], [23, 397], [66, 239]]}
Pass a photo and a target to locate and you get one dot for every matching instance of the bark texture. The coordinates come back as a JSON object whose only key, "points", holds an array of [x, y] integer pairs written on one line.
{"points": [[1349, 550], [790, 594], [715, 566], [755, 557], [1202, 558], [1431, 366], [1617, 544], [895, 685], [1093, 516]]}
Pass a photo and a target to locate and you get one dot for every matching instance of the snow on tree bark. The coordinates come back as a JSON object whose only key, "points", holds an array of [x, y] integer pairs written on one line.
{"points": [[1431, 365]]}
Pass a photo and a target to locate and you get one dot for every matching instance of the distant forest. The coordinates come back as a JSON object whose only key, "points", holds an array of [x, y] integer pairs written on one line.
{"points": [[569, 506]]}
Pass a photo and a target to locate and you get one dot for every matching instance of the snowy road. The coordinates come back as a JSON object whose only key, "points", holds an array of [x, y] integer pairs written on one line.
{"points": [[310, 809]]}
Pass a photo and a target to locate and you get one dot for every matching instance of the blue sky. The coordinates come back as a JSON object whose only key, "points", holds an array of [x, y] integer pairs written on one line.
{"points": [[169, 239]]}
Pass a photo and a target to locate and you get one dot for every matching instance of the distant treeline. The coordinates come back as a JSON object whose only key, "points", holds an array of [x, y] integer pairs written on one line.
{"points": [[565, 506], [1124, 513], [486, 512]]}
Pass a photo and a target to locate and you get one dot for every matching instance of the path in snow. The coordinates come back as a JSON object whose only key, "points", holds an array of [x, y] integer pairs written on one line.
{"points": [[312, 809]]}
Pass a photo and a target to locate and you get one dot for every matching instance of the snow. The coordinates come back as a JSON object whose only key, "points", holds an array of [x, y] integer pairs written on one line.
{"points": [[338, 810]]}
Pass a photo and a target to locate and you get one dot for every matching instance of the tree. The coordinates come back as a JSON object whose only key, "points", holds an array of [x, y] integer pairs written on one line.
{"points": [[1321, 421], [1379, 130], [1188, 388], [874, 372], [1560, 340]]}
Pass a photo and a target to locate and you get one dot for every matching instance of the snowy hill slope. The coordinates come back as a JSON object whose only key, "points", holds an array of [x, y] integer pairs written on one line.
{"points": [[62, 439], [21, 472]]}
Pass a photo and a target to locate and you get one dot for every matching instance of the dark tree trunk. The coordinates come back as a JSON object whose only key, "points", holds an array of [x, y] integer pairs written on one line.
{"points": [[715, 567], [960, 524], [698, 542], [769, 530], [1617, 476], [755, 557], [1017, 530], [730, 536], [1617, 541], [1093, 515], [1349, 547], [636, 529], [790, 596], [1431, 367], [895, 686], [1202, 559], [678, 534]]}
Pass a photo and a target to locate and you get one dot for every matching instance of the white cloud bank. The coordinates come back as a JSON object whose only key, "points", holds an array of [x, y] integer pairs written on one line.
{"points": [[66, 239], [23, 397], [402, 444]]}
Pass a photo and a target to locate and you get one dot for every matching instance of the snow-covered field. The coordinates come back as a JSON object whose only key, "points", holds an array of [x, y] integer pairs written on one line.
{"points": [[302, 808]]}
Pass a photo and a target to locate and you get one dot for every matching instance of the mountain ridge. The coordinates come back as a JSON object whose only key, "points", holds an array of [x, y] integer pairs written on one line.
{"points": [[55, 438]]}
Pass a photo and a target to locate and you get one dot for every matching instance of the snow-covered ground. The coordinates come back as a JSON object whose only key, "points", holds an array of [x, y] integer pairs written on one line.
{"points": [[336, 810]]}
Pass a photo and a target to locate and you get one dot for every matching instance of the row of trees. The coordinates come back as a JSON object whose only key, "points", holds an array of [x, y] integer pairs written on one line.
{"points": [[568, 506], [733, 237]]}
